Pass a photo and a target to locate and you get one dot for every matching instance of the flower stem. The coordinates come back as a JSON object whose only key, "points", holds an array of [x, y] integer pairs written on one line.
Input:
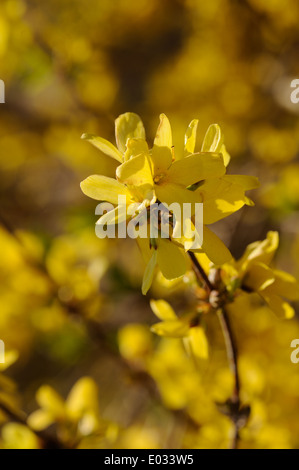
{"points": [[232, 352], [48, 442], [234, 403], [200, 272]]}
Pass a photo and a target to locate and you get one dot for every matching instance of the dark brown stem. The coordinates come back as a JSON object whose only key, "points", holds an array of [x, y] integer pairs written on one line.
{"points": [[48, 442], [232, 352], [199, 272]]}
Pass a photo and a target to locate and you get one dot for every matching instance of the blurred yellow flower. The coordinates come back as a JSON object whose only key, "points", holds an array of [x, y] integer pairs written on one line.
{"points": [[253, 274], [79, 414], [188, 328], [18, 436]]}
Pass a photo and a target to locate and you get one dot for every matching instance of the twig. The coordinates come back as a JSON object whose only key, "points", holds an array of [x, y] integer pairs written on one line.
{"points": [[232, 352], [49, 442], [233, 405], [200, 273], [232, 355]]}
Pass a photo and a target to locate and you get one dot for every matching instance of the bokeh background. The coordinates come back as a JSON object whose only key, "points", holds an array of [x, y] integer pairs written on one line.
{"points": [[70, 304]]}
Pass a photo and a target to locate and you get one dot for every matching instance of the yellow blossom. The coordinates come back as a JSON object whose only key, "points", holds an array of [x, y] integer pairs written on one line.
{"points": [[79, 412], [188, 328], [148, 176], [253, 274]]}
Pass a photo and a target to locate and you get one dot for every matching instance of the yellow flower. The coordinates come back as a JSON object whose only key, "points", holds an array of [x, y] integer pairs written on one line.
{"points": [[18, 436], [253, 274], [188, 328], [79, 412], [146, 176]]}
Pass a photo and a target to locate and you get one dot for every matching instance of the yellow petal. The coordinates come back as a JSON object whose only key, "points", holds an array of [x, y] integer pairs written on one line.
{"points": [[190, 137], [163, 136], [198, 342], [83, 396], [259, 277], [10, 358], [113, 217], [213, 139], [163, 310], [50, 400], [149, 273], [135, 147], [144, 246], [171, 259], [259, 251], [103, 188], [171, 328], [224, 196], [204, 261], [128, 126], [214, 248], [134, 341], [161, 152], [18, 436], [246, 181], [227, 199], [197, 167], [225, 154], [219, 209], [169, 193], [104, 145], [281, 308], [285, 284], [186, 234], [136, 172], [40, 419]]}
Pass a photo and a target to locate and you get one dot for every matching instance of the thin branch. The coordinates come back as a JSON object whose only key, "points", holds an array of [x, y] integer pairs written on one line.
{"points": [[200, 273], [232, 355]]}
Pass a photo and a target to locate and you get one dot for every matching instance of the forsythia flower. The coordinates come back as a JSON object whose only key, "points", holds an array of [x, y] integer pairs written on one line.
{"points": [[253, 274], [187, 328], [18, 436], [148, 176]]}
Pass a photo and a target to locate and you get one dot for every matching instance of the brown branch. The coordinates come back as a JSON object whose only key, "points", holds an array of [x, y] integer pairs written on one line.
{"points": [[48, 442], [232, 408], [234, 403], [232, 353], [200, 272]]}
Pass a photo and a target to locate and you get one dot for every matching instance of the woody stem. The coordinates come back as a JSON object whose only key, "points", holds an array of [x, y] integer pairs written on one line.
{"points": [[200, 273]]}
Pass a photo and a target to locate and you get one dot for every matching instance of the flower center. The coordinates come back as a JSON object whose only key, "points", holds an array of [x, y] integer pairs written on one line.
{"points": [[158, 178]]}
